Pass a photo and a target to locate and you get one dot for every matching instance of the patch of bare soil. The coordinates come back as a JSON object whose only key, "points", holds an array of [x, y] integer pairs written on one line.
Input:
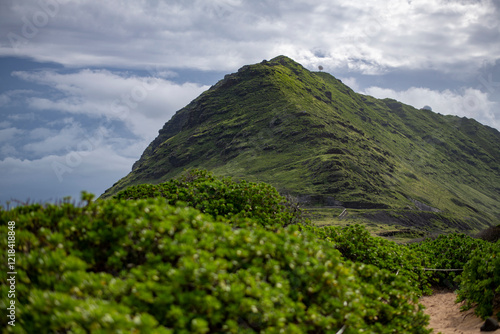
{"points": [[445, 314]]}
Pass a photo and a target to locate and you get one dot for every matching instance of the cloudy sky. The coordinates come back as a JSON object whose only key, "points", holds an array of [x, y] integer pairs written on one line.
{"points": [[85, 85]]}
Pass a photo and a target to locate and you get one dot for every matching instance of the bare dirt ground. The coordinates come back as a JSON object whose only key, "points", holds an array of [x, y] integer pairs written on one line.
{"points": [[446, 317]]}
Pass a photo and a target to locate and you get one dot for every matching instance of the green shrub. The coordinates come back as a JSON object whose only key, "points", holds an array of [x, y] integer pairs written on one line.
{"points": [[480, 280], [479, 283], [451, 251], [144, 266], [356, 244], [221, 196]]}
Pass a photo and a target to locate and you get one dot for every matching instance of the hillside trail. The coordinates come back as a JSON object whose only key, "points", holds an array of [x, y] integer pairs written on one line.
{"points": [[445, 315]]}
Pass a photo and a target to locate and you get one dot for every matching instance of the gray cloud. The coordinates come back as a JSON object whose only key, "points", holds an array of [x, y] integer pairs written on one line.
{"points": [[9, 134], [468, 102], [225, 34], [140, 102], [91, 125]]}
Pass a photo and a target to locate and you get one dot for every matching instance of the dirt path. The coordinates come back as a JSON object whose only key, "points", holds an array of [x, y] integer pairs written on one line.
{"points": [[446, 316]]}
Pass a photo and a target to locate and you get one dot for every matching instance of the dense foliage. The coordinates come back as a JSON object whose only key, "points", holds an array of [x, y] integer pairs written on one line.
{"points": [[356, 244], [222, 196], [202, 254], [480, 281], [145, 266], [451, 251]]}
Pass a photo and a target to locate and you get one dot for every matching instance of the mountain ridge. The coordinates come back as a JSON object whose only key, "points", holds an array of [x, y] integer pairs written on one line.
{"points": [[308, 134]]}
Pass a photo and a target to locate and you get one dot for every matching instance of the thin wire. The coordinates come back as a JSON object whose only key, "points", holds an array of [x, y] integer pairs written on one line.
{"points": [[427, 269]]}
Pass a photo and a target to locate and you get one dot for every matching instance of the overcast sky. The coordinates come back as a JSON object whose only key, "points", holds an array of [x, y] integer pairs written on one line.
{"points": [[85, 85]]}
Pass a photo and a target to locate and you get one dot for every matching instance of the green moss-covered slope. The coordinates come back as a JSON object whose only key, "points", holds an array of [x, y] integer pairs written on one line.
{"points": [[306, 133]]}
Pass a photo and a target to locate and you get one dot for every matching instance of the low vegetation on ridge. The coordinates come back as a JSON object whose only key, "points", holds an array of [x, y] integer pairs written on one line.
{"points": [[152, 261]]}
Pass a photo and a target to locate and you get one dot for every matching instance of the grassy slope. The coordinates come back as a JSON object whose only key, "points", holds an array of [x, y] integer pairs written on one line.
{"points": [[307, 133]]}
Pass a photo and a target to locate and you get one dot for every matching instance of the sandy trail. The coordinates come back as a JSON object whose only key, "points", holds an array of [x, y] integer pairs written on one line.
{"points": [[446, 316]]}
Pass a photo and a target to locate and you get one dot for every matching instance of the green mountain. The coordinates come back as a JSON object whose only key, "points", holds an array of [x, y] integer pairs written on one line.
{"points": [[311, 136]]}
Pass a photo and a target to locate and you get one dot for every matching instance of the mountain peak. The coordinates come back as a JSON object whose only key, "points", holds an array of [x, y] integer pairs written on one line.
{"points": [[308, 134], [262, 69], [284, 60]]}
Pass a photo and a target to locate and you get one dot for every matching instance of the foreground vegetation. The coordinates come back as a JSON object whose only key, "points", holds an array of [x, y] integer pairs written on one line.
{"points": [[223, 256]]}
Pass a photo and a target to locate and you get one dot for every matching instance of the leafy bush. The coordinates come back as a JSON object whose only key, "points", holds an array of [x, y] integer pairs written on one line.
{"points": [[451, 251], [145, 266], [480, 280], [479, 283], [356, 244], [222, 197]]}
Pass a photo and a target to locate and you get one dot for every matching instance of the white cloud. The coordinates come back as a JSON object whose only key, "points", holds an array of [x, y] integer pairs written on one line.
{"points": [[469, 102], [351, 83], [9, 134], [22, 117], [7, 97], [8, 150], [66, 154], [5, 124], [41, 134], [142, 103], [364, 36], [51, 141], [4, 99]]}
